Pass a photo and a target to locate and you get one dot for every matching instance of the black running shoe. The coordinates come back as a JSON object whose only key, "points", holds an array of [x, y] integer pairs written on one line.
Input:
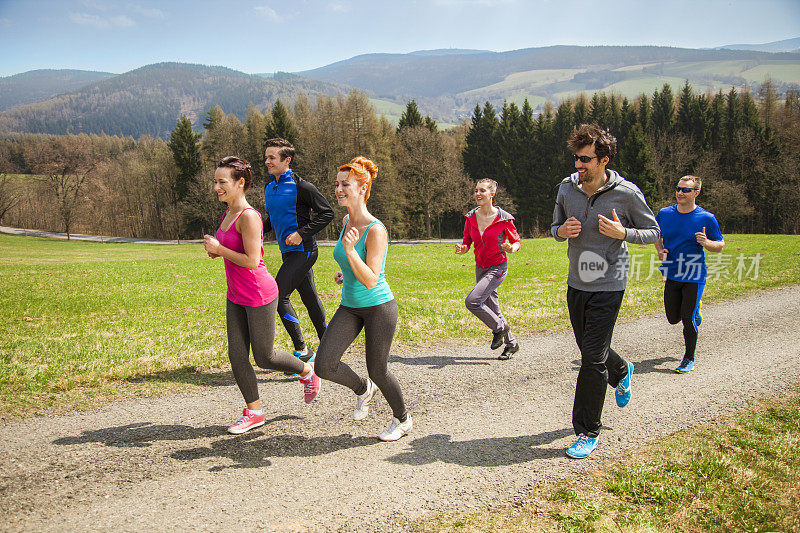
{"points": [[508, 351], [309, 357], [499, 338]]}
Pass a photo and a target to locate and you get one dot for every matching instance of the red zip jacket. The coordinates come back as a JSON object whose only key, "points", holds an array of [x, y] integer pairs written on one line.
{"points": [[487, 246]]}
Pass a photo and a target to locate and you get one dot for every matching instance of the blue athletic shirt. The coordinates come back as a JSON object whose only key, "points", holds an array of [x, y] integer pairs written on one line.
{"points": [[290, 202], [686, 259], [354, 293]]}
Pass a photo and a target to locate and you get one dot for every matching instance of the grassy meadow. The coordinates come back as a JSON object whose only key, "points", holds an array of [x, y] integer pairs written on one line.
{"points": [[737, 475], [84, 321]]}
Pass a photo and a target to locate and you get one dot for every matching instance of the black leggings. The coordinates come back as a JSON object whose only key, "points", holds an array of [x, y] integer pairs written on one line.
{"points": [[296, 274], [378, 323], [682, 303], [255, 326]]}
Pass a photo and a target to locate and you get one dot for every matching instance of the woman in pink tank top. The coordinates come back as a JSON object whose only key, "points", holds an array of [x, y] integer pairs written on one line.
{"points": [[252, 297]]}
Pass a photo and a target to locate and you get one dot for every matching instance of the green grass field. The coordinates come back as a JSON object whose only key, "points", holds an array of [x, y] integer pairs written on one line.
{"points": [[739, 475], [84, 321]]}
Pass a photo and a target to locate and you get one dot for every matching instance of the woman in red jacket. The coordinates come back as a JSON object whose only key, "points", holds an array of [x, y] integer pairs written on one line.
{"points": [[488, 227]]}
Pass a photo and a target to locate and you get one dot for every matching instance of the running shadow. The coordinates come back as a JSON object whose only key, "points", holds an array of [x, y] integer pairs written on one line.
{"points": [[437, 362], [144, 434], [651, 365], [499, 451], [642, 367], [248, 451]]}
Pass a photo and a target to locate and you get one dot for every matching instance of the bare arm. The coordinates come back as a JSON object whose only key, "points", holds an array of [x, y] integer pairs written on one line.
{"points": [[367, 272], [249, 225]]}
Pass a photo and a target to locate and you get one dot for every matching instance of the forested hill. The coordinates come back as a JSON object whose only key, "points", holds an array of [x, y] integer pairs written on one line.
{"points": [[149, 100], [432, 75], [38, 85]]}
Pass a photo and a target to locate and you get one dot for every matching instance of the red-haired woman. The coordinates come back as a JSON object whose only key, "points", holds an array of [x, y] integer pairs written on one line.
{"points": [[488, 227], [367, 302], [252, 293]]}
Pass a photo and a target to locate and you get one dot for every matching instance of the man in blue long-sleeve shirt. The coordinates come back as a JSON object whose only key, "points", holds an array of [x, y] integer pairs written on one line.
{"points": [[290, 203]]}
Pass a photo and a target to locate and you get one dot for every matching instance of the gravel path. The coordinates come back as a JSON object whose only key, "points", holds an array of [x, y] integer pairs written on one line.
{"points": [[485, 431]]}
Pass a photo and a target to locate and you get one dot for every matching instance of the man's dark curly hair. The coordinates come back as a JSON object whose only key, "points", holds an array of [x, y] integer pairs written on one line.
{"points": [[605, 144]]}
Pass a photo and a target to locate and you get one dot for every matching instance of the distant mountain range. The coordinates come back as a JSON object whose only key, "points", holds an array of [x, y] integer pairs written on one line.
{"points": [[149, 100], [786, 45], [38, 85], [446, 83]]}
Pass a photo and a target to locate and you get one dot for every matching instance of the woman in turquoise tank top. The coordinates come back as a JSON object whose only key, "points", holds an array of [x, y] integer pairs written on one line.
{"points": [[367, 302]]}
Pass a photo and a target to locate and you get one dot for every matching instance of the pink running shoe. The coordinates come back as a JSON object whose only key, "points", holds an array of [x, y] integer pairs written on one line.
{"points": [[247, 422], [311, 385]]}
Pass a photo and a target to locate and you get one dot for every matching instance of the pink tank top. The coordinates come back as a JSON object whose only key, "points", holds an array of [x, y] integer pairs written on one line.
{"points": [[251, 287]]}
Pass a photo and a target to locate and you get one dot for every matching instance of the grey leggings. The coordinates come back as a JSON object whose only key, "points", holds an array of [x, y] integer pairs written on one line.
{"points": [[378, 323], [483, 302], [255, 326]]}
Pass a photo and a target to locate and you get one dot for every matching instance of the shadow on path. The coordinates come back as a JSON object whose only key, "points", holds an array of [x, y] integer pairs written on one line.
{"points": [[248, 451], [499, 451], [436, 362], [144, 434]]}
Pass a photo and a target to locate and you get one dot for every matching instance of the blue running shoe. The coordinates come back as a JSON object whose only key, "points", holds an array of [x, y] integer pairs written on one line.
{"points": [[623, 392], [307, 357], [686, 366], [582, 447]]}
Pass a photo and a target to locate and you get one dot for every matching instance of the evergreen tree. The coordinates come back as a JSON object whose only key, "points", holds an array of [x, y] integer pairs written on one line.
{"points": [[684, 121], [431, 124], [411, 117], [481, 149], [183, 142], [663, 109], [281, 124]]}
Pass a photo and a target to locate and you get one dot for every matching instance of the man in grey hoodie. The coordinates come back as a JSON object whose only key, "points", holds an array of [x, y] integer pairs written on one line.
{"points": [[599, 212]]}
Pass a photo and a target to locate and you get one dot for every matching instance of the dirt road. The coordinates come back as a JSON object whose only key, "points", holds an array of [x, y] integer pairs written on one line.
{"points": [[485, 430]]}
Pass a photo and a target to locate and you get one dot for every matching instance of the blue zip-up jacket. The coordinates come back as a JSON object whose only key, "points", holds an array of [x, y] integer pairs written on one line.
{"points": [[290, 202]]}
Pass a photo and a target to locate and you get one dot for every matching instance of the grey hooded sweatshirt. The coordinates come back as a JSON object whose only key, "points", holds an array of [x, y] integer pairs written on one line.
{"points": [[599, 263]]}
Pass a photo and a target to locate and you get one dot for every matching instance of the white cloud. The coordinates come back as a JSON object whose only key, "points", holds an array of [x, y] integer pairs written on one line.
{"points": [[485, 3], [96, 21], [268, 12], [149, 12], [339, 7], [99, 5]]}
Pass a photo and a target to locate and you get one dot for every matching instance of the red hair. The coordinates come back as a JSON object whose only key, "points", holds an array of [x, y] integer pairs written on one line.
{"points": [[363, 170]]}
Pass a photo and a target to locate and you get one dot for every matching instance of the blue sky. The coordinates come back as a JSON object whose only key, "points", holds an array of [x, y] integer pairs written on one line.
{"points": [[266, 36]]}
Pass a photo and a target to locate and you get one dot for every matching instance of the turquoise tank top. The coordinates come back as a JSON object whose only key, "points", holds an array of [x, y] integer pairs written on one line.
{"points": [[354, 293]]}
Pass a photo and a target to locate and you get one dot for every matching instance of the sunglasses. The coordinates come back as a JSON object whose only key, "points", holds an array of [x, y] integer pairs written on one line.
{"points": [[583, 158], [686, 190]]}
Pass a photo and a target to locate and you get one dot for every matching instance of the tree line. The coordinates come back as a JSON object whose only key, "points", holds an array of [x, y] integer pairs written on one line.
{"points": [[740, 144]]}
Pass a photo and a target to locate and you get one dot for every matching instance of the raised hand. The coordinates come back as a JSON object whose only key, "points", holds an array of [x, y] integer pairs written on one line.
{"points": [[211, 245], [702, 240], [350, 239], [461, 248], [612, 228], [570, 228], [338, 277], [293, 239], [507, 247]]}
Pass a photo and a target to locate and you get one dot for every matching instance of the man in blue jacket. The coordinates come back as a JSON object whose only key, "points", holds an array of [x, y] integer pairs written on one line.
{"points": [[599, 212], [290, 202]]}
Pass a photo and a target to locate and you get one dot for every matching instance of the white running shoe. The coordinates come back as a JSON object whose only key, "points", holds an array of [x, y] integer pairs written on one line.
{"points": [[396, 429], [362, 402]]}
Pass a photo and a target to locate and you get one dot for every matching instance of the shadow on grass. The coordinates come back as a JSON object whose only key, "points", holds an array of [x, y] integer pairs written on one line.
{"points": [[248, 451], [499, 451], [436, 362]]}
